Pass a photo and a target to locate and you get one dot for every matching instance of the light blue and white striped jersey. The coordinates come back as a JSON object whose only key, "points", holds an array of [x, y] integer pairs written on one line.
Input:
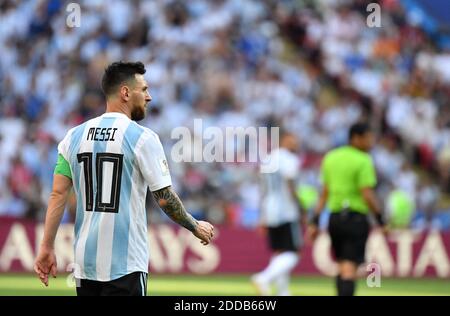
{"points": [[112, 161], [278, 205]]}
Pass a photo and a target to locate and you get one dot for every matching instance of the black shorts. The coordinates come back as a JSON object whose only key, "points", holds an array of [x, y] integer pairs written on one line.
{"points": [[285, 237], [133, 284], [349, 232]]}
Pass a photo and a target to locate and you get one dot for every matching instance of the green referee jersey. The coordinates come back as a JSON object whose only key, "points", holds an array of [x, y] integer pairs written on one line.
{"points": [[345, 170]]}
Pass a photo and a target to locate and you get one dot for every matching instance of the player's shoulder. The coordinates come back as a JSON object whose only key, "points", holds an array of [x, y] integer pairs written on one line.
{"points": [[77, 128], [145, 131], [331, 153], [147, 135], [150, 133]]}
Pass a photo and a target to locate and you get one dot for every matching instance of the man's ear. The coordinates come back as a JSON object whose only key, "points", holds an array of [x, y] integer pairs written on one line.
{"points": [[125, 93]]}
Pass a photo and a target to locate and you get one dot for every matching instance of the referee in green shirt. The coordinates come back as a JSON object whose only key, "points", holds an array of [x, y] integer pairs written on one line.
{"points": [[348, 176]]}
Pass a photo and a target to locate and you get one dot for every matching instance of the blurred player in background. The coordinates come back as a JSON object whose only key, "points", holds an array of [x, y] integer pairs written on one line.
{"points": [[111, 160], [280, 217], [349, 179]]}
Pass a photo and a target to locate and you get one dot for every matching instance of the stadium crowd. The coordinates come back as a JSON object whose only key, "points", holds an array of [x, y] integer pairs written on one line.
{"points": [[311, 67]]}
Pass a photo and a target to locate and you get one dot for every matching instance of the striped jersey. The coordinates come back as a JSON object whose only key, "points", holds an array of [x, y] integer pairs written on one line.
{"points": [[112, 161], [278, 206]]}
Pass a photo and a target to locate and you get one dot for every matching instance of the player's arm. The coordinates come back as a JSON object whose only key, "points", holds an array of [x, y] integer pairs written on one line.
{"points": [[323, 198], [171, 204], [153, 166], [264, 191], [321, 203], [370, 197], [261, 227], [367, 182], [62, 183], [313, 227], [56, 205], [293, 192]]}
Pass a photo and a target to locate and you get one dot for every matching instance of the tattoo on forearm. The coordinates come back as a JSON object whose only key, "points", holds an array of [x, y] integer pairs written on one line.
{"points": [[171, 204]]}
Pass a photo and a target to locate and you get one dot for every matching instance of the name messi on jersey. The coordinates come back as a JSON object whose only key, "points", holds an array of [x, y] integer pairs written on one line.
{"points": [[101, 134]]}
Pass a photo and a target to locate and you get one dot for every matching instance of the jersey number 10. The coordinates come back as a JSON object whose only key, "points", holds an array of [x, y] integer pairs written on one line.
{"points": [[113, 170]]}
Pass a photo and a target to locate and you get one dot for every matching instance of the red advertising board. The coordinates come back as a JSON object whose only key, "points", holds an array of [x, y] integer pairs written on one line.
{"points": [[237, 250]]}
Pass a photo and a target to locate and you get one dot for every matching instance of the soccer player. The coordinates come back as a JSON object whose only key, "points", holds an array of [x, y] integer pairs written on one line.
{"points": [[110, 161], [280, 216], [348, 176]]}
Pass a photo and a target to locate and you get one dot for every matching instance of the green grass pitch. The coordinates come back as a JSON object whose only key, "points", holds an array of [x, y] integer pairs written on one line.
{"points": [[224, 285]]}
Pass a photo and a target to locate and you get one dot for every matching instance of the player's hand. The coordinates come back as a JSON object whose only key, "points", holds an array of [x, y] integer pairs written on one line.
{"points": [[204, 231], [312, 232], [45, 264]]}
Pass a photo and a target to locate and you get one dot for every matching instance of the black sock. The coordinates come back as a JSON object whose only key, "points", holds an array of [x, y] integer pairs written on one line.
{"points": [[345, 287], [338, 284]]}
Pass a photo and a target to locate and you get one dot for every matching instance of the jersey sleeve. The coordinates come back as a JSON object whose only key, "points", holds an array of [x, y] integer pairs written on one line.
{"points": [[62, 164], [63, 146], [62, 167], [153, 163], [367, 176]]}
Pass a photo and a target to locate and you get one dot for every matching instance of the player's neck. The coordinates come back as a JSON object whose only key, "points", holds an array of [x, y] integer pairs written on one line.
{"points": [[118, 108]]}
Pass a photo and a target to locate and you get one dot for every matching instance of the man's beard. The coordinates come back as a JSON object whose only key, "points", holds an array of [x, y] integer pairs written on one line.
{"points": [[138, 113]]}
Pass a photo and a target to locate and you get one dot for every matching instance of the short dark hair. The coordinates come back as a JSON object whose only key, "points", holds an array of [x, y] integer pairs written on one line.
{"points": [[359, 129], [119, 72]]}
